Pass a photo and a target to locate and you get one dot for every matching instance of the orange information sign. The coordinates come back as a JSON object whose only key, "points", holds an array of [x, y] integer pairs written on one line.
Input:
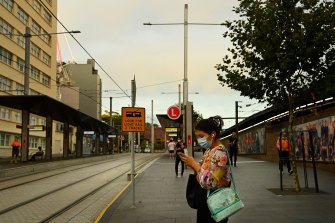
{"points": [[133, 119]]}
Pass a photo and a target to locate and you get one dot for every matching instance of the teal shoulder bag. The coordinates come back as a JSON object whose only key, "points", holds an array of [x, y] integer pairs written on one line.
{"points": [[224, 202]]}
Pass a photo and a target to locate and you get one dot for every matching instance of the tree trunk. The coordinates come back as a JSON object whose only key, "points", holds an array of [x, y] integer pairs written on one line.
{"points": [[292, 148]]}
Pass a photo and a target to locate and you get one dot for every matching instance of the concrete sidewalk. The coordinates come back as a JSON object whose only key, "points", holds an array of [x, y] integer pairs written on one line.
{"points": [[160, 196]]}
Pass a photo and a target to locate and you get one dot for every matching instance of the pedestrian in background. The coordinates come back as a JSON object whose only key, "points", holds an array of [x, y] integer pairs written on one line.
{"points": [[15, 149], [233, 148], [39, 153], [284, 154], [179, 149], [212, 172], [171, 148]]}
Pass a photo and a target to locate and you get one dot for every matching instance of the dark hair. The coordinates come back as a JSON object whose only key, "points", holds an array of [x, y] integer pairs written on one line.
{"points": [[211, 124]]}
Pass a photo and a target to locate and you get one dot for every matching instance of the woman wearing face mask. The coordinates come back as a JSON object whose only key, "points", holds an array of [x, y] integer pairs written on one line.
{"points": [[213, 171]]}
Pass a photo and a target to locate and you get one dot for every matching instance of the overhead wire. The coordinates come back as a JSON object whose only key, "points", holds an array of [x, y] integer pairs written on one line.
{"points": [[84, 48]]}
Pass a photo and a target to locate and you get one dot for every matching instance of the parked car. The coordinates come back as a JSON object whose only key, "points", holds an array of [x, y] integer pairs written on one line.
{"points": [[147, 150], [137, 149]]}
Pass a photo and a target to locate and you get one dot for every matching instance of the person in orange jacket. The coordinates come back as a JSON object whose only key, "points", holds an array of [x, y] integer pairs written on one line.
{"points": [[284, 155], [15, 150]]}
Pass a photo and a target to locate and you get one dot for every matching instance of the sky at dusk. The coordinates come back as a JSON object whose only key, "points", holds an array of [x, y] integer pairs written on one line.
{"points": [[113, 32]]}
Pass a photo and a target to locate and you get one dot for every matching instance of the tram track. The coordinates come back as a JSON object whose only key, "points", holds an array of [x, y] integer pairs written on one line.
{"points": [[56, 174], [36, 198], [84, 197]]}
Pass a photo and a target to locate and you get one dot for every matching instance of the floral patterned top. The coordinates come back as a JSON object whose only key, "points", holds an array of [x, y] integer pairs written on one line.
{"points": [[214, 171]]}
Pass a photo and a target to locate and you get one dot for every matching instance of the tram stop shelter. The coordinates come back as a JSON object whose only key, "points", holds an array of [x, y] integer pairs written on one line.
{"points": [[52, 109]]}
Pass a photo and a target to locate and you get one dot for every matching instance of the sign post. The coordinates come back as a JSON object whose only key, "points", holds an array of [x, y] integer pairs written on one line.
{"points": [[133, 120]]}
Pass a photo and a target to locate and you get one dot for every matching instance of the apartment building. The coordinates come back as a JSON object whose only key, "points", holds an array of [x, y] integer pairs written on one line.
{"points": [[15, 16], [85, 76]]}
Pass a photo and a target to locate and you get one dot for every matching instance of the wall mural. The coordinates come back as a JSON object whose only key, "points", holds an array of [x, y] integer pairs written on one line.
{"points": [[323, 139], [252, 142]]}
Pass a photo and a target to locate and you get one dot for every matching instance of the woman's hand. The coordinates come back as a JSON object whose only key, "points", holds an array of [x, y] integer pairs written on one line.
{"points": [[190, 161]]}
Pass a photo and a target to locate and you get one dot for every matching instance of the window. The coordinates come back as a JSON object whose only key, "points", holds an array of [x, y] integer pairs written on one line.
{"points": [[43, 122], [59, 127], [46, 58], [35, 50], [20, 65], [42, 140], [5, 28], [45, 80], [5, 84], [22, 15], [33, 142], [4, 139], [19, 89], [21, 40], [18, 117], [8, 4], [46, 37], [35, 73], [6, 56], [36, 28], [5, 113], [47, 17], [33, 120], [50, 2], [37, 6], [32, 92]]}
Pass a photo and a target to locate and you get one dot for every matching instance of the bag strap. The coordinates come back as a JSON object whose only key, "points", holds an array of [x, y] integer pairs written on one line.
{"points": [[231, 171]]}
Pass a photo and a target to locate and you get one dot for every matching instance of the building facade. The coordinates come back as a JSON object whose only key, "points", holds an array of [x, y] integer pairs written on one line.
{"points": [[86, 77], [15, 16]]}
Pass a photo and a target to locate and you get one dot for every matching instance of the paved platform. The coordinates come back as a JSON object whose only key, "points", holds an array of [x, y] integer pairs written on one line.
{"points": [[160, 196]]}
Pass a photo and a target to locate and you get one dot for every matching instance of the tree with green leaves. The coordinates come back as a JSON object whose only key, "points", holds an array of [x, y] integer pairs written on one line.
{"points": [[116, 118], [283, 53]]}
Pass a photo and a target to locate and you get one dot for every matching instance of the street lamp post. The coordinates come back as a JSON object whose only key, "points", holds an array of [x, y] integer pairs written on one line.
{"points": [[27, 60], [187, 116], [27, 37]]}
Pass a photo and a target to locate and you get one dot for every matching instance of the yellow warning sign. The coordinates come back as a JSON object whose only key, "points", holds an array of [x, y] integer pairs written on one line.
{"points": [[133, 119]]}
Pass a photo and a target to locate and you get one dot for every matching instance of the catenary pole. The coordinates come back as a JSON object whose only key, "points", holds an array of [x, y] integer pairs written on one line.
{"points": [[152, 127]]}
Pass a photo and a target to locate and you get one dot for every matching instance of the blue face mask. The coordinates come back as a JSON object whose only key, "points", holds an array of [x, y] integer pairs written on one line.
{"points": [[204, 143]]}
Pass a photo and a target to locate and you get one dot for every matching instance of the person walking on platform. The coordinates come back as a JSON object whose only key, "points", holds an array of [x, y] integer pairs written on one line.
{"points": [[171, 147], [284, 154], [233, 148], [212, 172], [179, 149], [15, 149]]}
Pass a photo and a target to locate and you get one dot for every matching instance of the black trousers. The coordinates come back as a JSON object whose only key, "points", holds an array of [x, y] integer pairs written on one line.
{"points": [[178, 160], [204, 216], [285, 159], [233, 153]]}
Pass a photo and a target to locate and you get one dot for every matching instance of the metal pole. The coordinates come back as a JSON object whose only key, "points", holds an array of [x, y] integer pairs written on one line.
{"points": [[280, 161], [185, 82], [152, 127], [236, 117], [27, 37], [179, 96], [131, 145], [111, 120], [313, 160]]}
